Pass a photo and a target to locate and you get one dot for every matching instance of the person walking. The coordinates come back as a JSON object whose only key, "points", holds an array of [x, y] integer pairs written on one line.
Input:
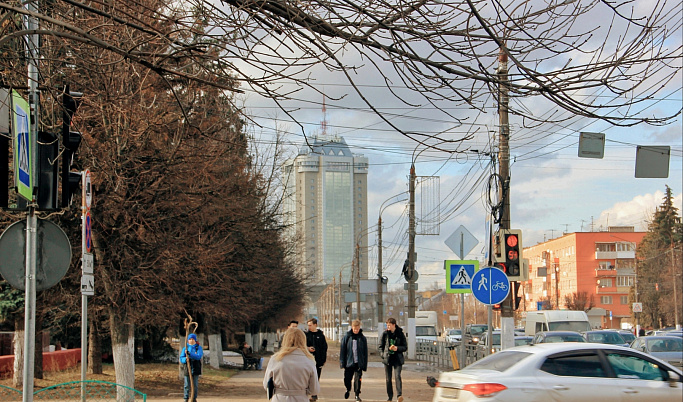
{"points": [[292, 369], [317, 345], [191, 356], [353, 358], [391, 347]]}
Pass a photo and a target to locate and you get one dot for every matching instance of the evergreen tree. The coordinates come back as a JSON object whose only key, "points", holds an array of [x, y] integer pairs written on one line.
{"points": [[659, 266]]}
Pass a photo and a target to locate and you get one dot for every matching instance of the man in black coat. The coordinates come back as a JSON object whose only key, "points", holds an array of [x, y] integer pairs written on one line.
{"points": [[353, 358], [391, 348], [317, 345]]}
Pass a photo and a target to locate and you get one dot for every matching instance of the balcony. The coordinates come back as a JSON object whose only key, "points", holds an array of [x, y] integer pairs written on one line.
{"points": [[602, 290], [613, 255], [602, 273]]}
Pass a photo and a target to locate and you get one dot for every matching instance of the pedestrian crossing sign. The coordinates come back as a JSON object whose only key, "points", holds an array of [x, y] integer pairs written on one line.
{"points": [[459, 275]]}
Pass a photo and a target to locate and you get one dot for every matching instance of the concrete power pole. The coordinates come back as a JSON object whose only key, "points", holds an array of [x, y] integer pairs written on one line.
{"points": [[380, 296], [507, 308]]}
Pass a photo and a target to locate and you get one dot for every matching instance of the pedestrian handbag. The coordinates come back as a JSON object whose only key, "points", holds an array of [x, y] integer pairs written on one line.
{"points": [[271, 388], [385, 356]]}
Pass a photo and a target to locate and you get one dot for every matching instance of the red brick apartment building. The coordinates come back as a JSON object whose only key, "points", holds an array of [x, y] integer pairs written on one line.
{"points": [[602, 264]]}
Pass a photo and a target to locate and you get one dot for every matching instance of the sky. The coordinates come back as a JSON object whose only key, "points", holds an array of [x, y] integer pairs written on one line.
{"points": [[552, 191]]}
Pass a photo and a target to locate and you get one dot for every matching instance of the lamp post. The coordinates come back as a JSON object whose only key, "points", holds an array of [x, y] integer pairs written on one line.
{"points": [[380, 302]]}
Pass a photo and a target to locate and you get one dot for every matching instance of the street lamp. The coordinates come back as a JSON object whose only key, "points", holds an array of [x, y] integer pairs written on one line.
{"points": [[380, 304]]}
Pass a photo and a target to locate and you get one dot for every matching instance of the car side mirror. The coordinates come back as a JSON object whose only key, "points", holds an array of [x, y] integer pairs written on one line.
{"points": [[673, 379]]}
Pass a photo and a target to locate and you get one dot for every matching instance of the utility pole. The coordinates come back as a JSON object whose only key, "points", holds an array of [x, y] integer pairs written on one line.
{"points": [[411, 265], [340, 306], [507, 309], [31, 219], [380, 301], [357, 259]]}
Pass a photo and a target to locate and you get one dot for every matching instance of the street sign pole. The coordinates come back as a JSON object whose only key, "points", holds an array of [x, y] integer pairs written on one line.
{"points": [[84, 297]]}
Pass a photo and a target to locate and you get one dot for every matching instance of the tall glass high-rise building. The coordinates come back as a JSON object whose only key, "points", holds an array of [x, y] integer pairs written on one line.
{"points": [[326, 207]]}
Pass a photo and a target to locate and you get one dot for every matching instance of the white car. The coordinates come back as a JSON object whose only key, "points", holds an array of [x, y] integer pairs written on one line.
{"points": [[566, 372], [454, 335]]}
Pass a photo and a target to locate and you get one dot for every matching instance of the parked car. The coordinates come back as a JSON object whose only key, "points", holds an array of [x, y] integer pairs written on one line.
{"points": [[523, 340], [563, 372], [627, 335], [667, 348], [473, 333], [485, 348], [674, 333], [454, 335], [605, 336], [558, 336]]}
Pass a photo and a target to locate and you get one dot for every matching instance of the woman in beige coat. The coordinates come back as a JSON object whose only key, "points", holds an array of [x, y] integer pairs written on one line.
{"points": [[293, 369]]}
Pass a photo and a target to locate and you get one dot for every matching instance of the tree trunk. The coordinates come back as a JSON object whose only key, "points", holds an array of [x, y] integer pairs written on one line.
{"points": [[18, 376], [123, 349], [216, 350], [38, 351], [94, 349]]}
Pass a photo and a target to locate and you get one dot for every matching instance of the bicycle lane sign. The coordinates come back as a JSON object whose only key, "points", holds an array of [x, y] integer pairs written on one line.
{"points": [[490, 285]]}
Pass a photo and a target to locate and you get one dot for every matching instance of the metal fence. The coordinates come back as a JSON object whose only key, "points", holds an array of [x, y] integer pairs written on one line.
{"points": [[90, 390], [438, 354]]}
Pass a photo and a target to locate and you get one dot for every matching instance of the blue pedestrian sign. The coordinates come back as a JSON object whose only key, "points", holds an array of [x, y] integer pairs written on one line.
{"points": [[459, 275], [490, 285]]}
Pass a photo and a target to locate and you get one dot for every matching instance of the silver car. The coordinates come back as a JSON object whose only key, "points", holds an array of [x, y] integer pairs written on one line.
{"points": [[566, 372], [667, 348]]}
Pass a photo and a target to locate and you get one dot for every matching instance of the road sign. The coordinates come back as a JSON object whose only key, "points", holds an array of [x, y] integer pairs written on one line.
{"points": [[88, 232], [88, 285], [490, 285], [637, 307], [87, 189], [88, 263], [459, 275], [22, 146], [461, 241]]}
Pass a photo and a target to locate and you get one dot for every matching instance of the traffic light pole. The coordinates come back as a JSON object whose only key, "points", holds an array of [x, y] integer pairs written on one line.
{"points": [[507, 309], [31, 219]]}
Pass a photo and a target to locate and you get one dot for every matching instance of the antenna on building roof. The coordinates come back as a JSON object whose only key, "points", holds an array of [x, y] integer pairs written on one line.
{"points": [[323, 123]]}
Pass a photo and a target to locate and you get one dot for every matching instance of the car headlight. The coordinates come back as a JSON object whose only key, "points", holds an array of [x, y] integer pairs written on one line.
{"points": [[475, 339]]}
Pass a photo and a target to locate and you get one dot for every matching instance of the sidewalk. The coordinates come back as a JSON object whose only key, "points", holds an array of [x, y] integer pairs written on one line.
{"points": [[246, 386]]}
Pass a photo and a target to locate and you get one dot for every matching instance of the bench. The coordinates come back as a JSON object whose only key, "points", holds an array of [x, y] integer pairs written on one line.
{"points": [[248, 362]]}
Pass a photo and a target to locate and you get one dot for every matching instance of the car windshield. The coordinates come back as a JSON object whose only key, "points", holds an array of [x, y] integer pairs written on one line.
{"points": [[496, 339], [628, 337], [610, 338], [564, 338], [425, 331], [454, 332], [665, 345], [522, 341], [478, 329], [499, 361], [577, 326]]}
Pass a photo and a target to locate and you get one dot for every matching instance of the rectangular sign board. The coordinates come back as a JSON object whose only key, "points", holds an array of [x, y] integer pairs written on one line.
{"points": [[22, 146], [350, 297], [88, 285], [370, 286], [459, 275]]}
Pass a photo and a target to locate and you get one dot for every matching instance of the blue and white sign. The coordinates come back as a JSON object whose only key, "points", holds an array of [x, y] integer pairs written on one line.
{"points": [[490, 285], [459, 275]]}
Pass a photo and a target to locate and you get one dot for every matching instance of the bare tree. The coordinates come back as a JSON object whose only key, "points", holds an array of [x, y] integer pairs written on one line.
{"points": [[579, 301], [596, 59]]}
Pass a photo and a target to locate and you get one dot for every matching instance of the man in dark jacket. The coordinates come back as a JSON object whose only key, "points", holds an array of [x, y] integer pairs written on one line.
{"points": [[391, 349], [353, 358], [317, 345], [191, 355]]}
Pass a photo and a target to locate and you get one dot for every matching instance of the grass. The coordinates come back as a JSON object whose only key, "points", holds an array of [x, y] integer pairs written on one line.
{"points": [[154, 379]]}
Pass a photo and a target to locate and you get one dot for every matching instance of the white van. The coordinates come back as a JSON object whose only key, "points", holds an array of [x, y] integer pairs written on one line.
{"points": [[556, 320]]}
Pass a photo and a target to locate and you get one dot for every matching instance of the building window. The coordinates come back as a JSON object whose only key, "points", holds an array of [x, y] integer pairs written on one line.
{"points": [[624, 247], [605, 265], [605, 247], [625, 280], [605, 282], [624, 299], [606, 299]]}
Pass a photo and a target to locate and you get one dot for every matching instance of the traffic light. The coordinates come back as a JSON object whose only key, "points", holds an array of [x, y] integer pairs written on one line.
{"points": [[496, 307], [511, 247], [71, 139], [48, 170]]}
